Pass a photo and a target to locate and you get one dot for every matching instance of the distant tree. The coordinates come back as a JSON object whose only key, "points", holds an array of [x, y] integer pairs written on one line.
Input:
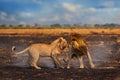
{"points": [[35, 25], [112, 25], [20, 25], [3, 25], [10, 25], [97, 25], [67, 25], [56, 26]]}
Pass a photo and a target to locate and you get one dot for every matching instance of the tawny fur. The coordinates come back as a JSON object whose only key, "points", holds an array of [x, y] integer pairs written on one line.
{"points": [[78, 48], [44, 50]]}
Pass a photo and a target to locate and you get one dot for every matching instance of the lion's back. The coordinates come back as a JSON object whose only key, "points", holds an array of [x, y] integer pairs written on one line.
{"points": [[42, 49]]}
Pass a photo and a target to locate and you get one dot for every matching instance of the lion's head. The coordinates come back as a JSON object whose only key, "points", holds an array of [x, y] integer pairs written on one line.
{"points": [[77, 40], [63, 43], [78, 44]]}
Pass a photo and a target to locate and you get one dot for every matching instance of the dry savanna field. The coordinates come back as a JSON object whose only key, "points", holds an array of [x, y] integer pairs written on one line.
{"points": [[103, 44], [58, 31]]}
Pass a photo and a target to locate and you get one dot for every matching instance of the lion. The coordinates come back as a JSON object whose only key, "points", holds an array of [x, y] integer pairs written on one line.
{"points": [[78, 48], [44, 50]]}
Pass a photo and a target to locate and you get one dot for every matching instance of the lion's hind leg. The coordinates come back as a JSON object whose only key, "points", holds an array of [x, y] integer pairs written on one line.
{"points": [[33, 61]]}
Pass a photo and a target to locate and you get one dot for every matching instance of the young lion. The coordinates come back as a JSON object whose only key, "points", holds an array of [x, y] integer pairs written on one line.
{"points": [[44, 50], [78, 48]]}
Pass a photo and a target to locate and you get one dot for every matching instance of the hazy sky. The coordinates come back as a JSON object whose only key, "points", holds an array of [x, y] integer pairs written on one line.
{"points": [[59, 11]]}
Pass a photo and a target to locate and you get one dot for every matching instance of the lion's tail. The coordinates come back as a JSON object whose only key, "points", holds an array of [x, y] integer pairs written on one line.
{"points": [[14, 52]]}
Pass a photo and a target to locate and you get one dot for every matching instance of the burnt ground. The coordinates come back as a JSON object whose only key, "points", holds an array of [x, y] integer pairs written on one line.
{"points": [[109, 69]]}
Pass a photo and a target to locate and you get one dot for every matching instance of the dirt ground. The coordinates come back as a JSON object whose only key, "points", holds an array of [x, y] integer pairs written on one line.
{"points": [[107, 69]]}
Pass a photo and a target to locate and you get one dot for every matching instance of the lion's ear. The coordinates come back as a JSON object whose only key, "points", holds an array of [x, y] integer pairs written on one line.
{"points": [[60, 39]]}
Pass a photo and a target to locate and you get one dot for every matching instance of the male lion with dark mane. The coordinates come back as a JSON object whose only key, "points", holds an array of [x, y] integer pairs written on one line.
{"points": [[44, 50], [78, 49]]}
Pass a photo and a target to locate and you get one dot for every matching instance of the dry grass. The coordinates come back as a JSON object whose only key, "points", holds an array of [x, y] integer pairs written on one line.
{"points": [[59, 31]]}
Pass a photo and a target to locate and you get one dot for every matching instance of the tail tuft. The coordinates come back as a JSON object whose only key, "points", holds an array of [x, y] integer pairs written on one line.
{"points": [[13, 48]]}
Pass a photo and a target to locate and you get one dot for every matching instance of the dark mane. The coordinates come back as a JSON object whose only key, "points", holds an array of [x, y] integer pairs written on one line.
{"points": [[79, 49], [82, 48], [77, 37]]}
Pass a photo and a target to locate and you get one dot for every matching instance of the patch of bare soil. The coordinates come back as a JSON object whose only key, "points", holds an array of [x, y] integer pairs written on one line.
{"points": [[108, 70], [15, 73]]}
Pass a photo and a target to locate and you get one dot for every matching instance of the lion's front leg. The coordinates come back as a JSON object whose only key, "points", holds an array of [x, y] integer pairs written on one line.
{"points": [[69, 59], [68, 63], [57, 62], [90, 60], [81, 62], [54, 62]]}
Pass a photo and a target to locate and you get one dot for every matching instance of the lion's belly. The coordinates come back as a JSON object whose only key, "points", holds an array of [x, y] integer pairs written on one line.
{"points": [[44, 52]]}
